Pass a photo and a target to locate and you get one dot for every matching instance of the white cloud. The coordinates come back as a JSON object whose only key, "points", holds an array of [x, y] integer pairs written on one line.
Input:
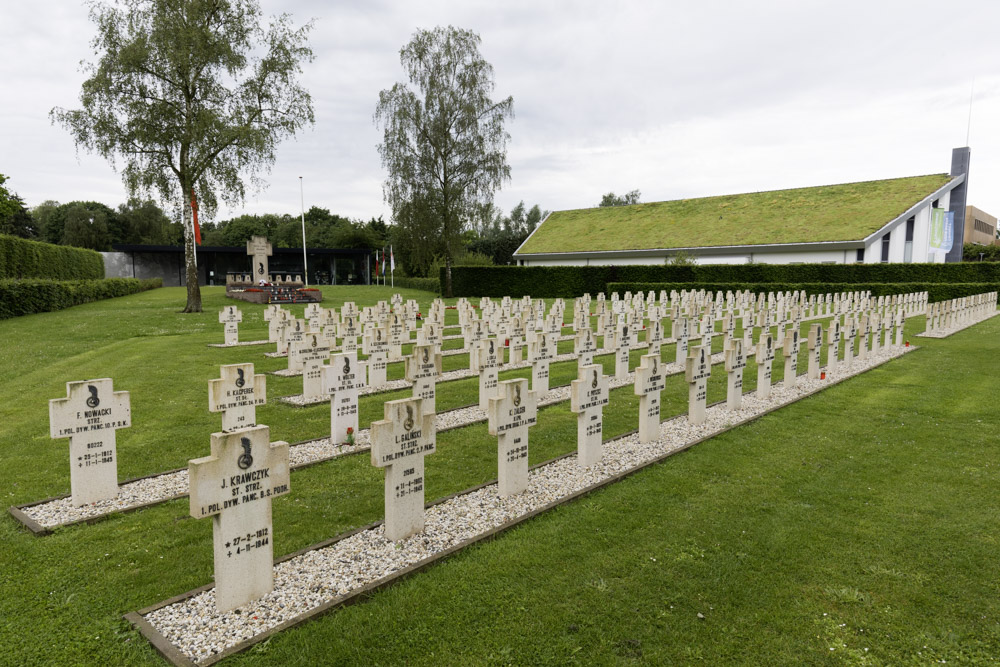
{"points": [[678, 100]]}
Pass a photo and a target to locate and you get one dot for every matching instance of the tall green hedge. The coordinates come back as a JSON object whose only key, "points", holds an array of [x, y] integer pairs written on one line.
{"points": [[20, 258], [24, 297], [572, 281], [935, 291]]}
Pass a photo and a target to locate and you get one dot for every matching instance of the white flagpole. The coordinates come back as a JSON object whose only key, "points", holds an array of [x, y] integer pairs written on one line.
{"points": [[392, 268]]}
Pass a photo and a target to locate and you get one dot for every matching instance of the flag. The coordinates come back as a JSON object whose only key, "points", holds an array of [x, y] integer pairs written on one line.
{"points": [[376, 262], [194, 210], [392, 261]]}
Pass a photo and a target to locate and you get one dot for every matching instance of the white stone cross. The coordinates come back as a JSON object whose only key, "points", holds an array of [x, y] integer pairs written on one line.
{"points": [[342, 380], [311, 354], [697, 370], [833, 345], [815, 345], [588, 396], [312, 315], [791, 352], [429, 334], [487, 364], [236, 395], [294, 333], [863, 337], [649, 382], [654, 336], [765, 357], [376, 346], [423, 366], [540, 354], [398, 334], [850, 333], [736, 361], [399, 444], [680, 334], [234, 486], [511, 413], [231, 316], [273, 317], [585, 347], [89, 416], [260, 249], [900, 322], [348, 332], [623, 342]]}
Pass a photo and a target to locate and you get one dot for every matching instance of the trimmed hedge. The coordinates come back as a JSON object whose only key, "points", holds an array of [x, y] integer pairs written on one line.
{"points": [[426, 284], [573, 281], [935, 291], [24, 297], [21, 258]]}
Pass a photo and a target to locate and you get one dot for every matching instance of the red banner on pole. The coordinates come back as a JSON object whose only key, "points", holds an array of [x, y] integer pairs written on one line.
{"points": [[194, 210]]}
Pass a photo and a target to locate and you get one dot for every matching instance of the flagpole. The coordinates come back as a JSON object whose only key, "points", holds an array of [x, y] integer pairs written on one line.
{"points": [[302, 202], [392, 267]]}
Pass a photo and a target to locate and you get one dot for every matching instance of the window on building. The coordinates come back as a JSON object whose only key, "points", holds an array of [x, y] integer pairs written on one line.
{"points": [[934, 204], [885, 247], [861, 255], [908, 246]]}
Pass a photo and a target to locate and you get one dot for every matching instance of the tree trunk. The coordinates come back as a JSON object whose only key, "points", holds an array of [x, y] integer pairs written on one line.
{"points": [[447, 274], [193, 290]]}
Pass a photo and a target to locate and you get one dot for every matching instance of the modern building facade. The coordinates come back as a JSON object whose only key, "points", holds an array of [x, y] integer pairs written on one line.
{"points": [[980, 227], [897, 220]]}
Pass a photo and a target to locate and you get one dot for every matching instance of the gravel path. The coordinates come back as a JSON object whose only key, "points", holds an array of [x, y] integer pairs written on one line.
{"points": [[323, 575]]}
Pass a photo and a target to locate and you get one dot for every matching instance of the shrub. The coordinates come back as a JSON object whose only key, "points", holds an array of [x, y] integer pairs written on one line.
{"points": [[572, 281], [20, 258], [24, 297]]}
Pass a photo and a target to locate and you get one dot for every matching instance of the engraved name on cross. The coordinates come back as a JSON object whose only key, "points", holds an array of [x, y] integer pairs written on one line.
{"points": [[399, 444], [234, 486], [588, 396], [649, 382], [236, 395], [89, 416], [511, 413]]}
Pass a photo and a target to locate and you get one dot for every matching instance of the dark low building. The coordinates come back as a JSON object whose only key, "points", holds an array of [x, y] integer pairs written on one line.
{"points": [[327, 266]]}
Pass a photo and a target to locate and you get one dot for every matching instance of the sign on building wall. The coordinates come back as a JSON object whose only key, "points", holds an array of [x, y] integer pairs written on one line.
{"points": [[942, 229]]}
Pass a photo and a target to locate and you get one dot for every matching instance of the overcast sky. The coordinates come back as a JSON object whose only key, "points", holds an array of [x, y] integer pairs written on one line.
{"points": [[675, 99]]}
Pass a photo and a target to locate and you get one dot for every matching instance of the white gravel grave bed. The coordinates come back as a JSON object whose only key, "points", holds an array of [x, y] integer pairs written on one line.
{"points": [[240, 344], [321, 576]]}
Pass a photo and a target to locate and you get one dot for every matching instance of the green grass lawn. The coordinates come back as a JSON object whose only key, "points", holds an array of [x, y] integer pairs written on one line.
{"points": [[860, 518]]}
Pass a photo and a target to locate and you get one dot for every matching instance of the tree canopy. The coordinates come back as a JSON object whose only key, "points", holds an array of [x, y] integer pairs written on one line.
{"points": [[627, 199], [194, 97], [444, 143]]}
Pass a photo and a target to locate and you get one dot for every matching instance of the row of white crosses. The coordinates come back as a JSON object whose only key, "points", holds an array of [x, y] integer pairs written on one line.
{"points": [[954, 314]]}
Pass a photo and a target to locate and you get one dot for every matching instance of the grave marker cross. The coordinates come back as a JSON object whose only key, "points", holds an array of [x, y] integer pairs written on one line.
{"points": [[399, 444], [236, 395], [511, 413], [89, 416], [234, 486]]}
